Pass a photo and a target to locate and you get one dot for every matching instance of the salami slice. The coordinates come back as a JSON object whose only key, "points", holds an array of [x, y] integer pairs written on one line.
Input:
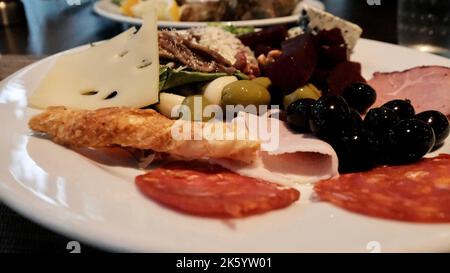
{"points": [[209, 190], [418, 192]]}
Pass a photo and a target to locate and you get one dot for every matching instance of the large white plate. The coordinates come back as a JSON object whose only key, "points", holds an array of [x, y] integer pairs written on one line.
{"points": [[99, 203], [107, 9]]}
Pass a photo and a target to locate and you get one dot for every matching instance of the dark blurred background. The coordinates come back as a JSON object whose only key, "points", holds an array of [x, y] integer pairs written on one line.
{"points": [[52, 25]]}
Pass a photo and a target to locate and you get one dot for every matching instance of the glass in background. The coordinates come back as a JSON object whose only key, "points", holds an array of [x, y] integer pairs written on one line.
{"points": [[425, 25], [11, 13]]}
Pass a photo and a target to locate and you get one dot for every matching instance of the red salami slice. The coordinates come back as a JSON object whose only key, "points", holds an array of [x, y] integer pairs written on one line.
{"points": [[419, 192], [210, 190]]}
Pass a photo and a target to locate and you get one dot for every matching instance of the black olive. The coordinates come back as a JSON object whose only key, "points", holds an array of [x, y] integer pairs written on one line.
{"points": [[439, 123], [360, 96], [329, 114], [355, 151], [298, 114], [402, 108], [380, 120], [355, 119], [410, 140], [376, 147]]}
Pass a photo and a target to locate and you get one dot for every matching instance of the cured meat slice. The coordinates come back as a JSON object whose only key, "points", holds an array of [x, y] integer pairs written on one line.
{"points": [[428, 87], [209, 190], [418, 193], [285, 157]]}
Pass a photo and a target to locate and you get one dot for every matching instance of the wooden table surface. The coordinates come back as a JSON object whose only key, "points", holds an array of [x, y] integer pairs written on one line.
{"points": [[11, 63], [52, 26]]}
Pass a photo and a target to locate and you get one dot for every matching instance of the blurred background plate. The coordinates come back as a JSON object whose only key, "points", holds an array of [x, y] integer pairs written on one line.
{"points": [[107, 9]]}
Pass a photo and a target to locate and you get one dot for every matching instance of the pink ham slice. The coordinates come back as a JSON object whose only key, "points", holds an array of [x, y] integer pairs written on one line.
{"points": [[293, 159], [428, 87]]}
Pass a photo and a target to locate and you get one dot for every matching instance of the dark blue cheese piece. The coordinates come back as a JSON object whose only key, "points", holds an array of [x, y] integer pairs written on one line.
{"points": [[315, 20]]}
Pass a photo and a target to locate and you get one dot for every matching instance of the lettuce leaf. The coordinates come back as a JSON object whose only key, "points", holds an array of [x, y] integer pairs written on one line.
{"points": [[170, 77], [237, 31], [117, 2]]}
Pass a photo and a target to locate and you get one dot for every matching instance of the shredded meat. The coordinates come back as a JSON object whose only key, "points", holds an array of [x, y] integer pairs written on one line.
{"points": [[180, 48], [163, 53]]}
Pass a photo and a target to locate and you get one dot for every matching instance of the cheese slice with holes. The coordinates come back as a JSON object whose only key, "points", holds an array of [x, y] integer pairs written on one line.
{"points": [[123, 71]]}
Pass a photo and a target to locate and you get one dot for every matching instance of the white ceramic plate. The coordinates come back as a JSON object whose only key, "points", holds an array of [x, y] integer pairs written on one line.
{"points": [[96, 200], [107, 9]]}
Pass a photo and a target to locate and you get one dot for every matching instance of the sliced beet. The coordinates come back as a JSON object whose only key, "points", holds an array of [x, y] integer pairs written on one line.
{"points": [[319, 79], [332, 48], [330, 56], [295, 66], [332, 51], [330, 37], [270, 37], [342, 75]]}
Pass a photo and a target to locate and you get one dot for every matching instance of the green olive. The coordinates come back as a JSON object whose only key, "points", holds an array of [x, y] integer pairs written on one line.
{"points": [[264, 81], [196, 105], [308, 91], [245, 93]]}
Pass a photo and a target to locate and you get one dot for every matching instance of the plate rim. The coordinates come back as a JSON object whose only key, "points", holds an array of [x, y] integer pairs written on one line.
{"points": [[91, 238]]}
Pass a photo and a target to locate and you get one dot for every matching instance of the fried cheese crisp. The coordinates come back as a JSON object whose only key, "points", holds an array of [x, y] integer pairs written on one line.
{"points": [[139, 129]]}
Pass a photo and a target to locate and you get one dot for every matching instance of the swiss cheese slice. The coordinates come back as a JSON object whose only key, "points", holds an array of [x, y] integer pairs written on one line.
{"points": [[123, 71]]}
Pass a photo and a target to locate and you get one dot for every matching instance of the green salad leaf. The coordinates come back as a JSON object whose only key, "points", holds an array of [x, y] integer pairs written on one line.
{"points": [[238, 31], [170, 77], [117, 2]]}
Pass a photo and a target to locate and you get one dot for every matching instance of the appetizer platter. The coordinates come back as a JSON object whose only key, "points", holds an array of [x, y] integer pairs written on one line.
{"points": [[188, 14], [284, 139]]}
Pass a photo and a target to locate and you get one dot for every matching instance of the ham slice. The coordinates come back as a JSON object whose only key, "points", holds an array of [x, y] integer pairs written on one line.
{"points": [[428, 87], [286, 158]]}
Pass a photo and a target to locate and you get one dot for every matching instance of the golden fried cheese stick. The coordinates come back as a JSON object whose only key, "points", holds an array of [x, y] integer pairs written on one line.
{"points": [[133, 128]]}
